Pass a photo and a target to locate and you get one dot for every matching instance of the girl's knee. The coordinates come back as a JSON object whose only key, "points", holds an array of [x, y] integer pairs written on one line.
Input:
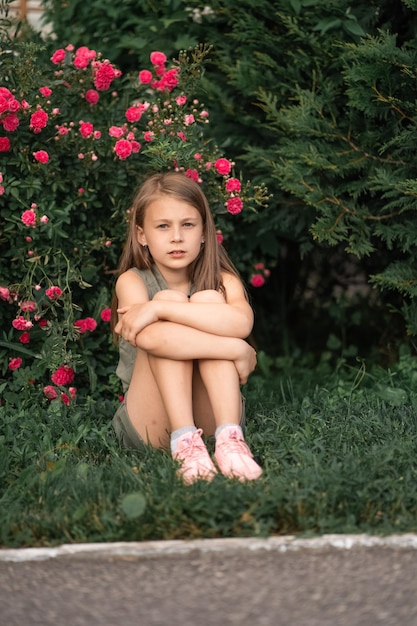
{"points": [[208, 295], [170, 295]]}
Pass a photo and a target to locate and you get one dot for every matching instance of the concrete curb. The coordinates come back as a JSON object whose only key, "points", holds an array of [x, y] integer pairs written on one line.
{"points": [[179, 547]]}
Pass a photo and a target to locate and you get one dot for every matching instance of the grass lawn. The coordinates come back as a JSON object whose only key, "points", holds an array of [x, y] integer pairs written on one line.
{"points": [[339, 450]]}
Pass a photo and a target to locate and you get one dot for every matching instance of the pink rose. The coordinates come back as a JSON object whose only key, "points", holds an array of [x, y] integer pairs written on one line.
{"points": [[169, 80], [58, 56], [50, 392], [15, 363], [5, 144], [21, 323], [193, 174], [158, 58], [29, 218], [133, 114], [104, 76], [38, 120], [92, 96], [181, 100], [42, 156], [5, 94], [86, 324], [148, 135], [45, 91], [4, 293], [257, 280], [83, 56], [10, 122], [116, 131], [106, 315], [189, 119], [219, 236], [145, 77], [53, 292], [123, 148], [63, 375], [13, 105], [233, 184], [234, 206], [86, 129], [24, 337], [28, 306], [223, 166]]}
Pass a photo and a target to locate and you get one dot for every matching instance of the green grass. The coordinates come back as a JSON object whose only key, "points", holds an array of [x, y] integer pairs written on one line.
{"points": [[339, 450]]}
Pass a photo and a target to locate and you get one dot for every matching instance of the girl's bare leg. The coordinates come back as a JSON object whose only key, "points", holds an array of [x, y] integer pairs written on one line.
{"points": [[159, 399], [221, 383], [217, 398]]}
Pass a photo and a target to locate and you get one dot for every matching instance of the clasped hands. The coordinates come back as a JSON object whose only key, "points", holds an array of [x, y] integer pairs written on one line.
{"points": [[135, 318]]}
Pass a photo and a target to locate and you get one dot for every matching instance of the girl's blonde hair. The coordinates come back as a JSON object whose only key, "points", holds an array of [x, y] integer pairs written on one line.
{"points": [[206, 271]]}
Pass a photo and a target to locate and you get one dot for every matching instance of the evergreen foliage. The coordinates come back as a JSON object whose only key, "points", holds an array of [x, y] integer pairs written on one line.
{"points": [[350, 154]]}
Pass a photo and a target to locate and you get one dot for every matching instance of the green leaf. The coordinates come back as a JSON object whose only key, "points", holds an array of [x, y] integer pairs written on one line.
{"points": [[393, 395], [353, 28], [134, 505], [324, 25], [296, 6], [18, 348]]}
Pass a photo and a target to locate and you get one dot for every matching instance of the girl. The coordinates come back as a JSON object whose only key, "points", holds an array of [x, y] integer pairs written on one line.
{"points": [[183, 317]]}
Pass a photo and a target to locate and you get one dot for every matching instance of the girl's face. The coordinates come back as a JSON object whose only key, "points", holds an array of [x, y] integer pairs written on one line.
{"points": [[173, 231]]}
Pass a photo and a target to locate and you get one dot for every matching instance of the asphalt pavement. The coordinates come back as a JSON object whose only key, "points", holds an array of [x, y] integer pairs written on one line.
{"points": [[334, 580]]}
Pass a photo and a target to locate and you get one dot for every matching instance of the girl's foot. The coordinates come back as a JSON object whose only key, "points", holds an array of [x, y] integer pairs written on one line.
{"points": [[195, 460], [233, 456]]}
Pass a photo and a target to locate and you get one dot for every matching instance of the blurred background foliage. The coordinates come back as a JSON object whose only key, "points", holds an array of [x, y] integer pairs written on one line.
{"points": [[317, 100]]}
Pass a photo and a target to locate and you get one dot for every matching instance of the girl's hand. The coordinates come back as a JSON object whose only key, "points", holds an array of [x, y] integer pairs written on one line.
{"points": [[246, 363], [135, 318]]}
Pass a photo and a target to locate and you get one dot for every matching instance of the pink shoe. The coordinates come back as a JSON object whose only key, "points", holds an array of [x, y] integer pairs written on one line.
{"points": [[233, 456], [195, 460]]}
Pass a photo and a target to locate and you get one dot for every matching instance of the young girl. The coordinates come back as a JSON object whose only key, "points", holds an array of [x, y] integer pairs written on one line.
{"points": [[183, 317]]}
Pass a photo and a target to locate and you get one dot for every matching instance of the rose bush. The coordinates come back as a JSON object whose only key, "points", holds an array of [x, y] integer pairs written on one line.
{"points": [[76, 140]]}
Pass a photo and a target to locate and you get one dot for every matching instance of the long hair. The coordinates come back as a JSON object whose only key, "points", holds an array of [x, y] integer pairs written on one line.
{"points": [[206, 270]]}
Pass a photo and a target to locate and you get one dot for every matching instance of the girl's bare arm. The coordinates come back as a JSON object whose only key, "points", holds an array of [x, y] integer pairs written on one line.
{"points": [[182, 343], [233, 318]]}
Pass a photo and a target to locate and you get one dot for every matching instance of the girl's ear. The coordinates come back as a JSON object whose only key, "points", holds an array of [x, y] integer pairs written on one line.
{"points": [[140, 235]]}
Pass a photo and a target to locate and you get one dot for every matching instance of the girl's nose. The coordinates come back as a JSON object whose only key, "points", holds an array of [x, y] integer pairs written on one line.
{"points": [[176, 236]]}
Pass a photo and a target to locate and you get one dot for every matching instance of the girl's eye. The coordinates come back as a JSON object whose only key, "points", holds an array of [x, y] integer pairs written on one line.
{"points": [[188, 224], [162, 226]]}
